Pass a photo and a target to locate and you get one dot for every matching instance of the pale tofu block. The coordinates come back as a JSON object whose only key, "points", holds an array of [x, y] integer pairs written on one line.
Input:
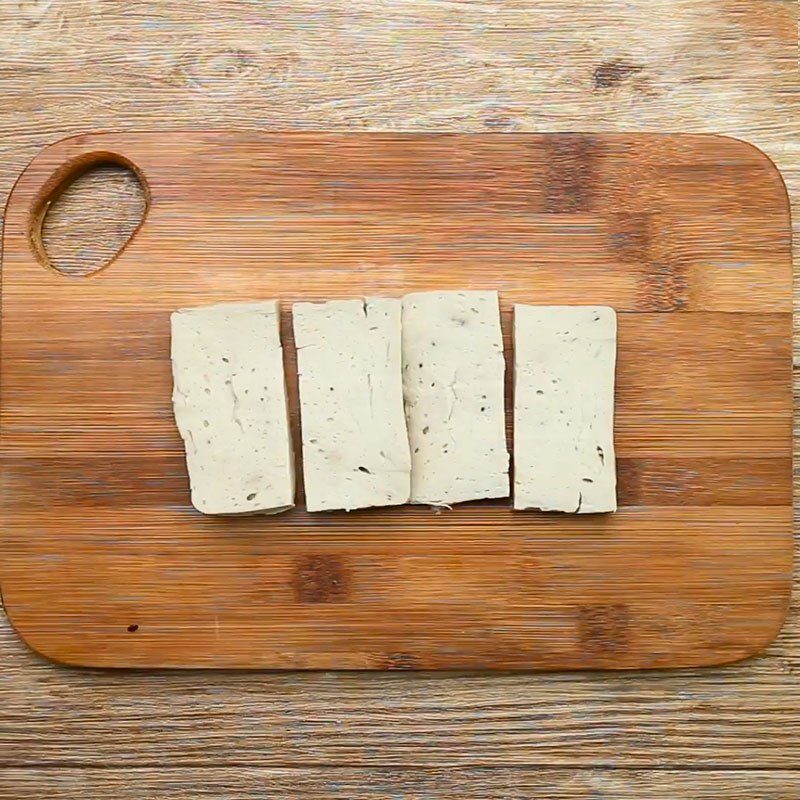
{"points": [[453, 375], [230, 405], [355, 446], [564, 361]]}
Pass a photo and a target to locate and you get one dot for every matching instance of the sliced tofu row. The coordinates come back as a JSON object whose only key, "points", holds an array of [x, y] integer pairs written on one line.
{"points": [[400, 401]]}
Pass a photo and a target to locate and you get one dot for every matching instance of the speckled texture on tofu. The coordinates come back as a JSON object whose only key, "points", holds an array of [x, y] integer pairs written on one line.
{"points": [[564, 361], [355, 446], [230, 406], [453, 373]]}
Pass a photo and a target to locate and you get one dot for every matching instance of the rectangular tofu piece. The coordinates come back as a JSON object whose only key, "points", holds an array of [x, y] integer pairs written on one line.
{"points": [[230, 405], [355, 446], [453, 380], [564, 361]]}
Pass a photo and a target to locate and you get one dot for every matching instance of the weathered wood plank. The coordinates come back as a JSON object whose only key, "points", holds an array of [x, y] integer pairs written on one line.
{"points": [[336, 783]]}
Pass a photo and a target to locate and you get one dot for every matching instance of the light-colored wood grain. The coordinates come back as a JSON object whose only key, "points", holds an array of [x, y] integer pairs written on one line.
{"points": [[710, 66], [249, 783], [150, 582]]}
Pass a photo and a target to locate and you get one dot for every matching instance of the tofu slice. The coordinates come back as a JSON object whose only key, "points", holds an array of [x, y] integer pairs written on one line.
{"points": [[355, 446], [453, 374], [564, 361], [230, 405]]}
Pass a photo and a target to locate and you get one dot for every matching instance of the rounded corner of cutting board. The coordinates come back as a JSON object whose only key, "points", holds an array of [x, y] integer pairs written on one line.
{"points": [[55, 165], [772, 629], [769, 164], [42, 647], [781, 616]]}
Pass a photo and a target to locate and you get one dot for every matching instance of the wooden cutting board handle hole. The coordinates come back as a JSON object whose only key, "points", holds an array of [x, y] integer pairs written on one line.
{"points": [[87, 213]]}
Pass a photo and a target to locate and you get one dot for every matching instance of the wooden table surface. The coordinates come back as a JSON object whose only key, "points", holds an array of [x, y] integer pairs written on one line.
{"points": [[717, 66]]}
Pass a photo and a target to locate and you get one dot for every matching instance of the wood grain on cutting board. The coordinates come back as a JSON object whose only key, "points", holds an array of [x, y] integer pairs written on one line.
{"points": [[690, 234]]}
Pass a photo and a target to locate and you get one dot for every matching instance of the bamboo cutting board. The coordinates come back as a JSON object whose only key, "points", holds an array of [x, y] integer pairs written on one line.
{"points": [[105, 563]]}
